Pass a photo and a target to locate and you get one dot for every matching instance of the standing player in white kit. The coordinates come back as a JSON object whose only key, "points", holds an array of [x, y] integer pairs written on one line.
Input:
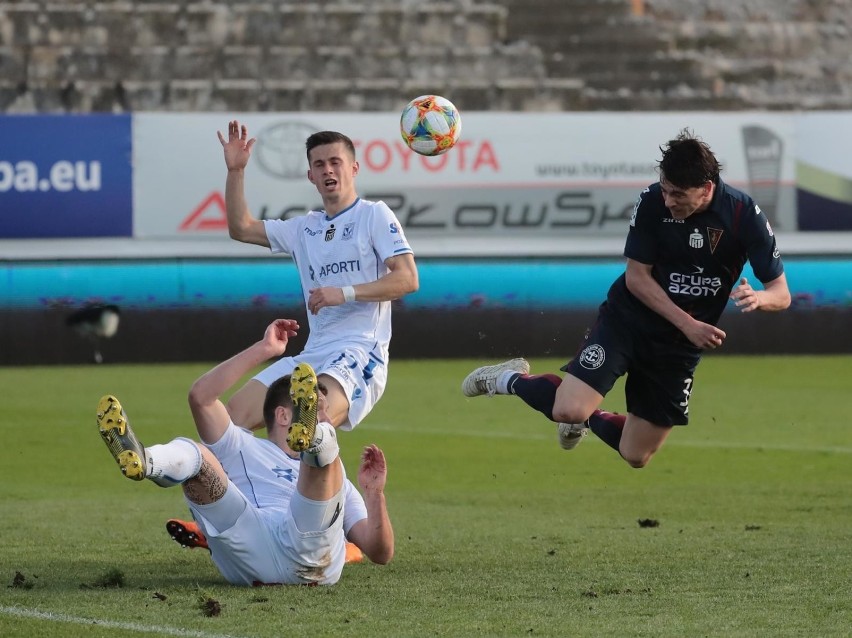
{"points": [[353, 260]]}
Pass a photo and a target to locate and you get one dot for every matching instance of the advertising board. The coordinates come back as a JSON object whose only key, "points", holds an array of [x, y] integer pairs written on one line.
{"points": [[824, 178], [512, 175], [65, 176]]}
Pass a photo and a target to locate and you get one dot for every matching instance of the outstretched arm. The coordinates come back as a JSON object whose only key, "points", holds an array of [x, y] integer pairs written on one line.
{"points": [[374, 534], [211, 417], [242, 226]]}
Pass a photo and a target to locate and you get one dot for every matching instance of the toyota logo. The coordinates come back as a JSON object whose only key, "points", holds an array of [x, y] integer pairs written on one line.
{"points": [[280, 149]]}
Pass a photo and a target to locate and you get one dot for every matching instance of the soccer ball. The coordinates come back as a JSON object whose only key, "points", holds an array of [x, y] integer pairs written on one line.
{"points": [[430, 125]]}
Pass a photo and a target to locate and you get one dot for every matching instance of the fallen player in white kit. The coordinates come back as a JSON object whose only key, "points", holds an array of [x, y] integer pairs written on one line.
{"points": [[277, 510]]}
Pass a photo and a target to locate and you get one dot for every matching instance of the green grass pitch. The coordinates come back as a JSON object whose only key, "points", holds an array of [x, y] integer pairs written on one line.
{"points": [[499, 532]]}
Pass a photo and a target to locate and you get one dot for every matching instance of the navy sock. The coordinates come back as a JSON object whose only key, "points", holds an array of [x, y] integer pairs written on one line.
{"points": [[538, 391], [607, 426]]}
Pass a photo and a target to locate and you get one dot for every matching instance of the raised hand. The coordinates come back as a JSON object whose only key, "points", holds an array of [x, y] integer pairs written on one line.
{"points": [[278, 333], [237, 147], [373, 472]]}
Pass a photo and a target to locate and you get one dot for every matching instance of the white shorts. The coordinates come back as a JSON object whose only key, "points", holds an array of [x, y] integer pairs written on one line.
{"points": [[362, 375], [265, 546]]}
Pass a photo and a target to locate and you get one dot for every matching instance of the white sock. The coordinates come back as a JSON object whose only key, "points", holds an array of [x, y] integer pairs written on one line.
{"points": [[173, 463], [503, 381], [324, 448]]}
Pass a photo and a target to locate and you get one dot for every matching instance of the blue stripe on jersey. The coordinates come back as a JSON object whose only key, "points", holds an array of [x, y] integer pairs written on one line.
{"points": [[344, 211], [245, 471]]}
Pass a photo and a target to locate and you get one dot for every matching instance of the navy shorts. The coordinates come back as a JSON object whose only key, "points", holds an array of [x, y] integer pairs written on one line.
{"points": [[659, 371]]}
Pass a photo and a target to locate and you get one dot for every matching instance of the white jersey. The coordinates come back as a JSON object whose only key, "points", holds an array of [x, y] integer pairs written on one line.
{"points": [[347, 249], [267, 476]]}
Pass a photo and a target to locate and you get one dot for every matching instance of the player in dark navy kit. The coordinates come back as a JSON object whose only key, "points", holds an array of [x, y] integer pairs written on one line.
{"points": [[690, 236]]}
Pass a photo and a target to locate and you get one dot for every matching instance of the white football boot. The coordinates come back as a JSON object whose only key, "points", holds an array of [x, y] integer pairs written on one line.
{"points": [[484, 380], [571, 434]]}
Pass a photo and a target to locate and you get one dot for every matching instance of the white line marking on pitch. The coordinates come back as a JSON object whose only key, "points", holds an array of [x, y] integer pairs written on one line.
{"points": [[22, 612]]}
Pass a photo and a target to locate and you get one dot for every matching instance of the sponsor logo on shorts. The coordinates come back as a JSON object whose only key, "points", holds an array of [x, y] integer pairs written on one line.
{"points": [[592, 357]]}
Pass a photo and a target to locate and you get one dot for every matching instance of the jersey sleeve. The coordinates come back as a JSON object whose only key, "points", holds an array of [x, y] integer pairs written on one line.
{"points": [[354, 508], [641, 244], [282, 233], [387, 233], [762, 250], [231, 443]]}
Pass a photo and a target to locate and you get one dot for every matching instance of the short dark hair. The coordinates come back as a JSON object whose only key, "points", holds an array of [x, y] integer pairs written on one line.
{"points": [[688, 162], [328, 137], [277, 395]]}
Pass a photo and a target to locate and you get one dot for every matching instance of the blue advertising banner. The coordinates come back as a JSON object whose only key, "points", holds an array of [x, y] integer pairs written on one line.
{"points": [[65, 177]]}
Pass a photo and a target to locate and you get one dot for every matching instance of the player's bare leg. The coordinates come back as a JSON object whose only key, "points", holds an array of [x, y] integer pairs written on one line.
{"points": [[337, 403], [245, 406], [209, 483], [575, 400], [640, 440]]}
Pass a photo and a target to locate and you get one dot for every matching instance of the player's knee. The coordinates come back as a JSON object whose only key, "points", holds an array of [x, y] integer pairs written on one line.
{"points": [[570, 413], [636, 459]]}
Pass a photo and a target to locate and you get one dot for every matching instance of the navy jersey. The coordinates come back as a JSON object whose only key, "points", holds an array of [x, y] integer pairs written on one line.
{"points": [[697, 260]]}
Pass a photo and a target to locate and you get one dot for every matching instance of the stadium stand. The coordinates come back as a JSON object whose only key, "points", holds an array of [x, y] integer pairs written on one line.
{"points": [[515, 55], [694, 54]]}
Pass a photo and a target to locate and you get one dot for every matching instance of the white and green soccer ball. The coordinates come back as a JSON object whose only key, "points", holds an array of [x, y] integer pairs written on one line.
{"points": [[430, 125]]}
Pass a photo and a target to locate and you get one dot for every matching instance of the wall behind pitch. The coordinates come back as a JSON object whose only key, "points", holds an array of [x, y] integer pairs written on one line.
{"points": [[174, 310], [30, 337]]}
